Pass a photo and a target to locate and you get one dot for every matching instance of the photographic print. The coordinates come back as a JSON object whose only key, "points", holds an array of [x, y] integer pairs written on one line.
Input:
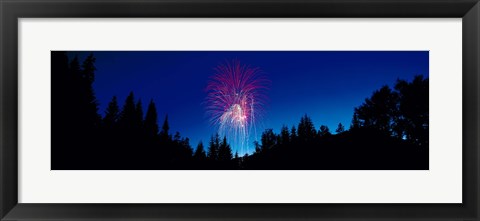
{"points": [[240, 110]]}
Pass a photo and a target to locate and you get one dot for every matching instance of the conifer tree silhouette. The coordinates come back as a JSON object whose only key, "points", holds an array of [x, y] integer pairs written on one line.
{"points": [[112, 113], [200, 154], [306, 129], [164, 134], [268, 139], [340, 128], [87, 93], [213, 147], [138, 115], [293, 134], [128, 114], [151, 121], [284, 135], [224, 151]]}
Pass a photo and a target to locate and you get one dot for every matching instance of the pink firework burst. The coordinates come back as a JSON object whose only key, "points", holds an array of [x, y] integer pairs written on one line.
{"points": [[234, 101]]}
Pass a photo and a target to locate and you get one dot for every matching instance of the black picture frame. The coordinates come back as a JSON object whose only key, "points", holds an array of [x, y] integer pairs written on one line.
{"points": [[11, 10]]}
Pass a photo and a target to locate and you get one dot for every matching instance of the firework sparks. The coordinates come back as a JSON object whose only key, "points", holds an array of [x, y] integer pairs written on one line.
{"points": [[234, 100]]}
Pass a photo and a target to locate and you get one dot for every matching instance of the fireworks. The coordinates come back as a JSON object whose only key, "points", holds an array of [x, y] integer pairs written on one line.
{"points": [[234, 102]]}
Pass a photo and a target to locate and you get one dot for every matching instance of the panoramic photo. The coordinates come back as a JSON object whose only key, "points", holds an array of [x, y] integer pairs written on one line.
{"points": [[240, 110]]}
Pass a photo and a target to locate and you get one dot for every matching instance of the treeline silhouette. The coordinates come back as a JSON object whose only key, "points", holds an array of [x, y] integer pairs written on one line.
{"points": [[388, 131]]}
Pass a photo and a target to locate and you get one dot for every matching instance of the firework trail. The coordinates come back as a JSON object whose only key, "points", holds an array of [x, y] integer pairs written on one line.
{"points": [[235, 96]]}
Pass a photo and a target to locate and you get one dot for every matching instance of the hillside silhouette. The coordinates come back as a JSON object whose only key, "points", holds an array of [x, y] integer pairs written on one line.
{"points": [[389, 131]]}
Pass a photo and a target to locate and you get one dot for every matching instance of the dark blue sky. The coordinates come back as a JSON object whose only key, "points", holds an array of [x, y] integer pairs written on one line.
{"points": [[326, 85]]}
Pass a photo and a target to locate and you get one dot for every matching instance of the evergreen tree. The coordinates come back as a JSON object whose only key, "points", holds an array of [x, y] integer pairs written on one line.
{"points": [[151, 121], [268, 139], [75, 104], [128, 113], [80, 124], [112, 113], [88, 99], [213, 148], [306, 129], [224, 151], [293, 134], [340, 128], [217, 142], [74, 69], [164, 134], [200, 152], [284, 135], [138, 115], [89, 69], [128, 134], [187, 151]]}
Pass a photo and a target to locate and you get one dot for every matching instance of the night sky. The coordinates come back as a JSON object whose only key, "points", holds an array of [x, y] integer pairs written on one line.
{"points": [[326, 85]]}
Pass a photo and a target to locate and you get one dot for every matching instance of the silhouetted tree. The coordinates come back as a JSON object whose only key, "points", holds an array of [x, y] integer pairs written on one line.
{"points": [[112, 113], [258, 147], [77, 102], [340, 128], [217, 141], [200, 154], [88, 99], [164, 134], [187, 151], [379, 111], [75, 107], [402, 113], [268, 139], [413, 109], [237, 161], [129, 135], [324, 131], [89, 69], [293, 134], [213, 148], [138, 115], [75, 68], [177, 137], [128, 114], [284, 135], [355, 121], [224, 151], [306, 129], [151, 121]]}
